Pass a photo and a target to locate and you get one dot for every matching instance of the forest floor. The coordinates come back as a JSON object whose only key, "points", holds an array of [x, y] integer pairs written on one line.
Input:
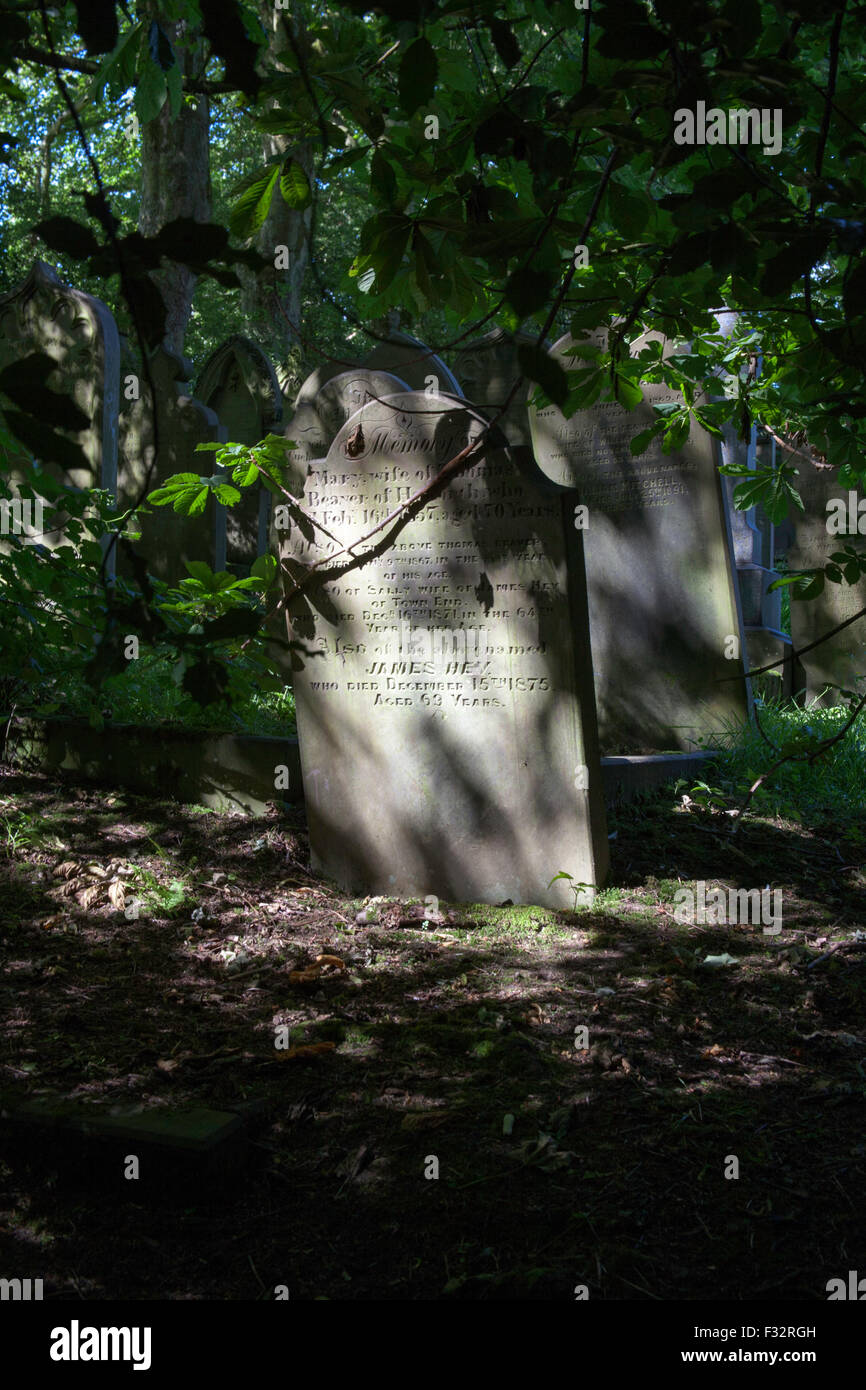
{"points": [[447, 1042]]}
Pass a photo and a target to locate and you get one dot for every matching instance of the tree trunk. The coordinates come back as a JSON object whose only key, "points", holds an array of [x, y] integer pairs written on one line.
{"points": [[271, 299], [175, 182]]}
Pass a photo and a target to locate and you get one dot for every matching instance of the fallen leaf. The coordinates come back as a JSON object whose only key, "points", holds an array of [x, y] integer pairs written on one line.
{"points": [[117, 893]]}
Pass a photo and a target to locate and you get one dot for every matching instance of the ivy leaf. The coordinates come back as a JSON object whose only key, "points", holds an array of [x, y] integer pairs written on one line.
{"points": [[417, 75]]}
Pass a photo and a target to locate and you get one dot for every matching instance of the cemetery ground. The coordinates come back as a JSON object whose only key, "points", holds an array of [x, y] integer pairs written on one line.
{"points": [[417, 1038]]}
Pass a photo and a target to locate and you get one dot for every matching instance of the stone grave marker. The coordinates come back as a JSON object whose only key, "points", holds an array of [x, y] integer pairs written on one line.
{"points": [[446, 730], [239, 383], [841, 661], [79, 332], [411, 360], [665, 620], [324, 404], [168, 539], [488, 368]]}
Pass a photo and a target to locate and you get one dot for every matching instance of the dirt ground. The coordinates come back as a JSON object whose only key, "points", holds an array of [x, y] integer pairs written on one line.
{"points": [[442, 1043]]}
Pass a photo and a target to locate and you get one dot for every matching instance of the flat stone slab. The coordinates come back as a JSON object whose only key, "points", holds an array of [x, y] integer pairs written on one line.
{"points": [[199, 1131]]}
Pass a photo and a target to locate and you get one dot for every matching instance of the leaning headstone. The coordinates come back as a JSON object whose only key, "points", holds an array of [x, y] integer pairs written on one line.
{"points": [[666, 628], [169, 539], [829, 523], [239, 383], [79, 332], [446, 723], [409, 359], [488, 369]]}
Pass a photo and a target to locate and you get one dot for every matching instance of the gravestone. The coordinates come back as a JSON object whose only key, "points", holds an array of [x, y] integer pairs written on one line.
{"points": [[840, 661], [414, 363], [665, 622], [168, 538], [488, 368], [239, 383], [79, 332], [324, 404], [446, 728]]}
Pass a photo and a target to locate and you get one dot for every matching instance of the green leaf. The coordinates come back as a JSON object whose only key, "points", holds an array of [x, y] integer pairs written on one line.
{"points": [[294, 185], [200, 572], [226, 494], [627, 392], [417, 75], [539, 366], [528, 291], [504, 41], [383, 180], [118, 69], [150, 91], [794, 261], [251, 208], [642, 441], [265, 567], [245, 474]]}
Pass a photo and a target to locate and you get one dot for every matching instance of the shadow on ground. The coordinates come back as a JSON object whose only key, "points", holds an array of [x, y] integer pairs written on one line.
{"points": [[439, 1044]]}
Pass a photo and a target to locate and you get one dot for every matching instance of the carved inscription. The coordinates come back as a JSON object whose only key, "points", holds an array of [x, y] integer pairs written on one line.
{"points": [[611, 478], [425, 626], [444, 696]]}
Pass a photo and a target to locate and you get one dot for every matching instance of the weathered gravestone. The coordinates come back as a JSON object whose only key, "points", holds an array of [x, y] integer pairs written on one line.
{"points": [[829, 523], [239, 384], [79, 333], [664, 610], [168, 538], [447, 730], [488, 368], [409, 359], [324, 404]]}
